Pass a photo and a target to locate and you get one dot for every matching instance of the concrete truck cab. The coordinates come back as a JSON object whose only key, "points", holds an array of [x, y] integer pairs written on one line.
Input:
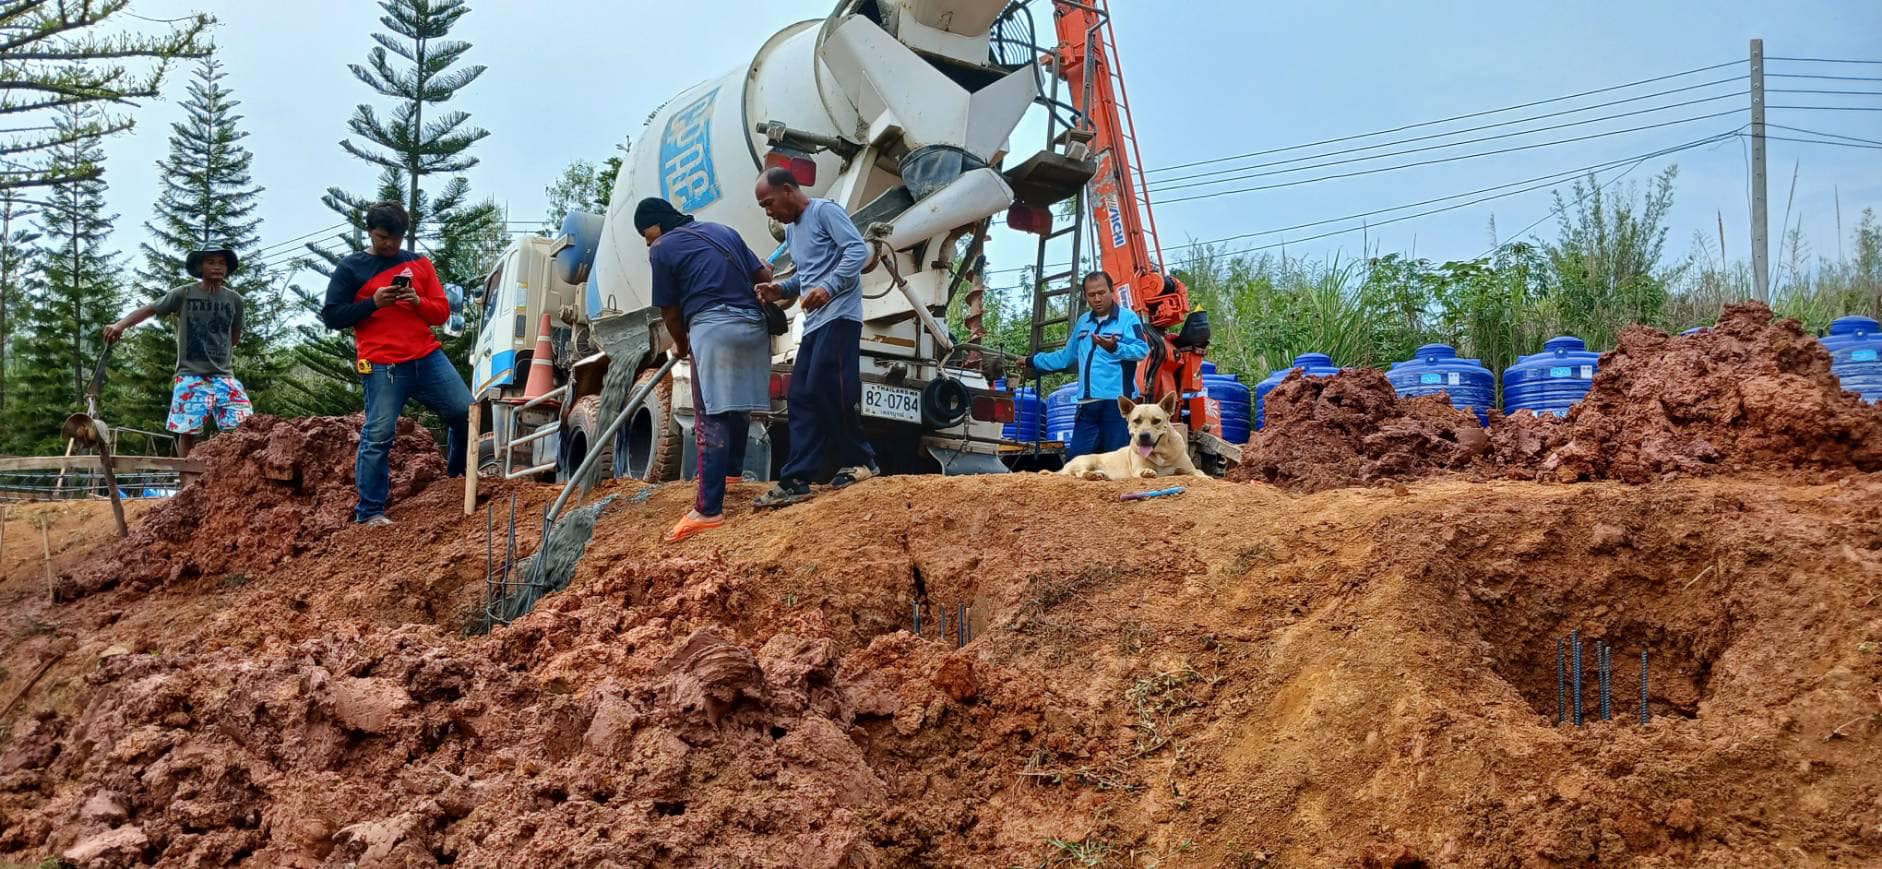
{"points": [[892, 110]]}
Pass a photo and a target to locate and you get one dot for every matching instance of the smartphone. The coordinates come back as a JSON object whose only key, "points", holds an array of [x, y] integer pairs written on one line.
{"points": [[403, 282]]}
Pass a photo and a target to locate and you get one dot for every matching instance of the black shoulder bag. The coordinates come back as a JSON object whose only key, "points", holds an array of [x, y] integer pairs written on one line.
{"points": [[775, 322]]}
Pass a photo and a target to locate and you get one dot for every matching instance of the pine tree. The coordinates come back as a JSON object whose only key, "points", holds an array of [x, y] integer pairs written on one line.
{"points": [[70, 55], [75, 296], [208, 199], [16, 257], [411, 66]]}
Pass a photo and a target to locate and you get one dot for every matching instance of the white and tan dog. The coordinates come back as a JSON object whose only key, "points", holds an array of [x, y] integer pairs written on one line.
{"points": [[1156, 449]]}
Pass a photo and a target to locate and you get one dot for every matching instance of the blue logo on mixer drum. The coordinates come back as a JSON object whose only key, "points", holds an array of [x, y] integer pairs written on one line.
{"points": [[686, 176]]}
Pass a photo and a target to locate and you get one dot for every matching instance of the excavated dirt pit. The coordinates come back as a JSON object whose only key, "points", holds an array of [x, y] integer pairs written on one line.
{"points": [[1238, 676]]}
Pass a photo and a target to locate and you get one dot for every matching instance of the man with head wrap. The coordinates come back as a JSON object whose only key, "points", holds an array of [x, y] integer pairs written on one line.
{"points": [[703, 278]]}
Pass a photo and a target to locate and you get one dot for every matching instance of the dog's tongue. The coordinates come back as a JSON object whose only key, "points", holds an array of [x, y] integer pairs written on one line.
{"points": [[1144, 451]]}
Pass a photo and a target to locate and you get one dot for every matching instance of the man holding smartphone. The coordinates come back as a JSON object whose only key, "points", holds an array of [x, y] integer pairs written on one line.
{"points": [[391, 299], [1106, 343]]}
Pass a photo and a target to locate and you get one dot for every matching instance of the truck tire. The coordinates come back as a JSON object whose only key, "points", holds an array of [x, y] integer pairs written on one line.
{"points": [[584, 425], [650, 447], [487, 463]]}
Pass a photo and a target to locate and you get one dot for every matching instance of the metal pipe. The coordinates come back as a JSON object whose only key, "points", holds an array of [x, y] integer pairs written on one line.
{"points": [[960, 628], [607, 434], [1574, 642], [555, 394], [943, 341], [509, 549]]}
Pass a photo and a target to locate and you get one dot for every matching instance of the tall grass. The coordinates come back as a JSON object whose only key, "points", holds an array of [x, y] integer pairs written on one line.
{"points": [[1603, 272]]}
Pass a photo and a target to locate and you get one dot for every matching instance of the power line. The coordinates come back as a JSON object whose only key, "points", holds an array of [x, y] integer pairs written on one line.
{"points": [[1697, 143], [1821, 133], [1830, 108], [280, 244], [1824, 142], [1556, 209], [1823, 77], [1487, 127], [1160, 188], [1551, 178], [1822, 60], [1451, 159], [1462, 117], [1838, 93]]}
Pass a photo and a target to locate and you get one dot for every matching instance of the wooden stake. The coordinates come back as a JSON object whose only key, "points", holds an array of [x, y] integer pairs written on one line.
{"points": [[472, 459], [30, 682], [59, 485]]}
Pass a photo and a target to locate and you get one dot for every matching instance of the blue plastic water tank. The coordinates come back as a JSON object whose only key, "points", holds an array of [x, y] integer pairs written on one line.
{"points": [[1552, 381], [1029, 419], [573, 263], [1316, 365], [1062, 412], [1437, 368], [1854, 344], [1234, 398]]}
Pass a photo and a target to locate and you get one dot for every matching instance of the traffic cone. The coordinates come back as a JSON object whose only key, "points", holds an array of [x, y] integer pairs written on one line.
{"points": [[541, 365]]}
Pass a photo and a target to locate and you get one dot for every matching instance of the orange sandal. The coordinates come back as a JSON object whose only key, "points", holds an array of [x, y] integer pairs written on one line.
{"points": [[688, 526]]}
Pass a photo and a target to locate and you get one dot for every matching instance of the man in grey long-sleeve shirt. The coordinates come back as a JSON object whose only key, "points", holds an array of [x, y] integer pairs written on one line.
{"points": [[826, 389]]}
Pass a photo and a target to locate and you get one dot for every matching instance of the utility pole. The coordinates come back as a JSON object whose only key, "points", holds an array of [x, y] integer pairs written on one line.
{"points": [[1760, 231]]}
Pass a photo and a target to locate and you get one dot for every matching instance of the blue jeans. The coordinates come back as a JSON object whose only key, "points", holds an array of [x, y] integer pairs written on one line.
{"points": [[826, 398], [434, 383], [1099, 428], [720, 438]]}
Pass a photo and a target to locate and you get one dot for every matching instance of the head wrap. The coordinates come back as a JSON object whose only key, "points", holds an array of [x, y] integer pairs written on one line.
{"points": [[654, 211]]}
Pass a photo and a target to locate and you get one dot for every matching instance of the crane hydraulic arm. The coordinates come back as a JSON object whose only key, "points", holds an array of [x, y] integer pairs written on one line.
{"points": [[1086, 58]]}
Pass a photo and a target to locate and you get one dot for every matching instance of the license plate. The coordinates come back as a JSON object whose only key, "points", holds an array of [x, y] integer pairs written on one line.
{"points": [[891, 402]]}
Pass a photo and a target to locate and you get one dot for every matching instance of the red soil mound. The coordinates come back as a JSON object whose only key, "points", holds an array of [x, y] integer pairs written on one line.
{"points": [[1750, 393], [269, 490], [1351, 428]]}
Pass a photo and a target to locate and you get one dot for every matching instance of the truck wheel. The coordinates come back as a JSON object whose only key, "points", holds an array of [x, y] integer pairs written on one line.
{"points": [[487, 462], [584, 425], [650, 448]]}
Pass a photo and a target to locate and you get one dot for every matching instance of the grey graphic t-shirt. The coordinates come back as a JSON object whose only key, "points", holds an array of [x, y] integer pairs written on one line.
{"points": [[204, 324]]}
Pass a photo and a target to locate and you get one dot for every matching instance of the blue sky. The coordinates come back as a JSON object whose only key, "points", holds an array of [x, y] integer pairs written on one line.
{"points": [[1208, 78]]}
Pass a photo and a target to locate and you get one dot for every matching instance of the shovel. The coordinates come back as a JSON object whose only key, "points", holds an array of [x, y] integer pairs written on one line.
{"points": [[86, 428]]}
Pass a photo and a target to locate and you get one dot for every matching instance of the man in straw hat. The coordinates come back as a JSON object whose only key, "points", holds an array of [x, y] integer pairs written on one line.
{"points": [[208, 326]]}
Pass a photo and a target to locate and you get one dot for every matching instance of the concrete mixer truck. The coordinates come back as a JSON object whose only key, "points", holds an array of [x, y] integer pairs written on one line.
{"points": [[891, 108]]}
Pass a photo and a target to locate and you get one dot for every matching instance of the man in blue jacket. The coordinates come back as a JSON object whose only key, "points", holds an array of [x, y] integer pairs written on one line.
{"points": [[1106, 344]]}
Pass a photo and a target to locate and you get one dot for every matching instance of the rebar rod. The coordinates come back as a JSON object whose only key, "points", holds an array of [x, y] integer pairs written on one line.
{"points": [[1574, 642], [1644, 714]]}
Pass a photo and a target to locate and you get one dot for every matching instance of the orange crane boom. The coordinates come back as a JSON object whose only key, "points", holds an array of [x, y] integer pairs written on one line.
{"points": [[1129, 251]]}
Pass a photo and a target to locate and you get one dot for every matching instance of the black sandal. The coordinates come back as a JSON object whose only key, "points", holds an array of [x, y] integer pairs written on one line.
{"points": [[783, 494]]}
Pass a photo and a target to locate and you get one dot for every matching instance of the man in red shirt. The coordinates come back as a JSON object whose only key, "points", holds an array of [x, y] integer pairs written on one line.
{"points": [[391, 299]]}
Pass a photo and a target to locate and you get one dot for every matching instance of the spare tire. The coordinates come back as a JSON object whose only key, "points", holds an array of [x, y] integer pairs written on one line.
{"points": [[945, 401], [582, 428], [649, 447]]}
